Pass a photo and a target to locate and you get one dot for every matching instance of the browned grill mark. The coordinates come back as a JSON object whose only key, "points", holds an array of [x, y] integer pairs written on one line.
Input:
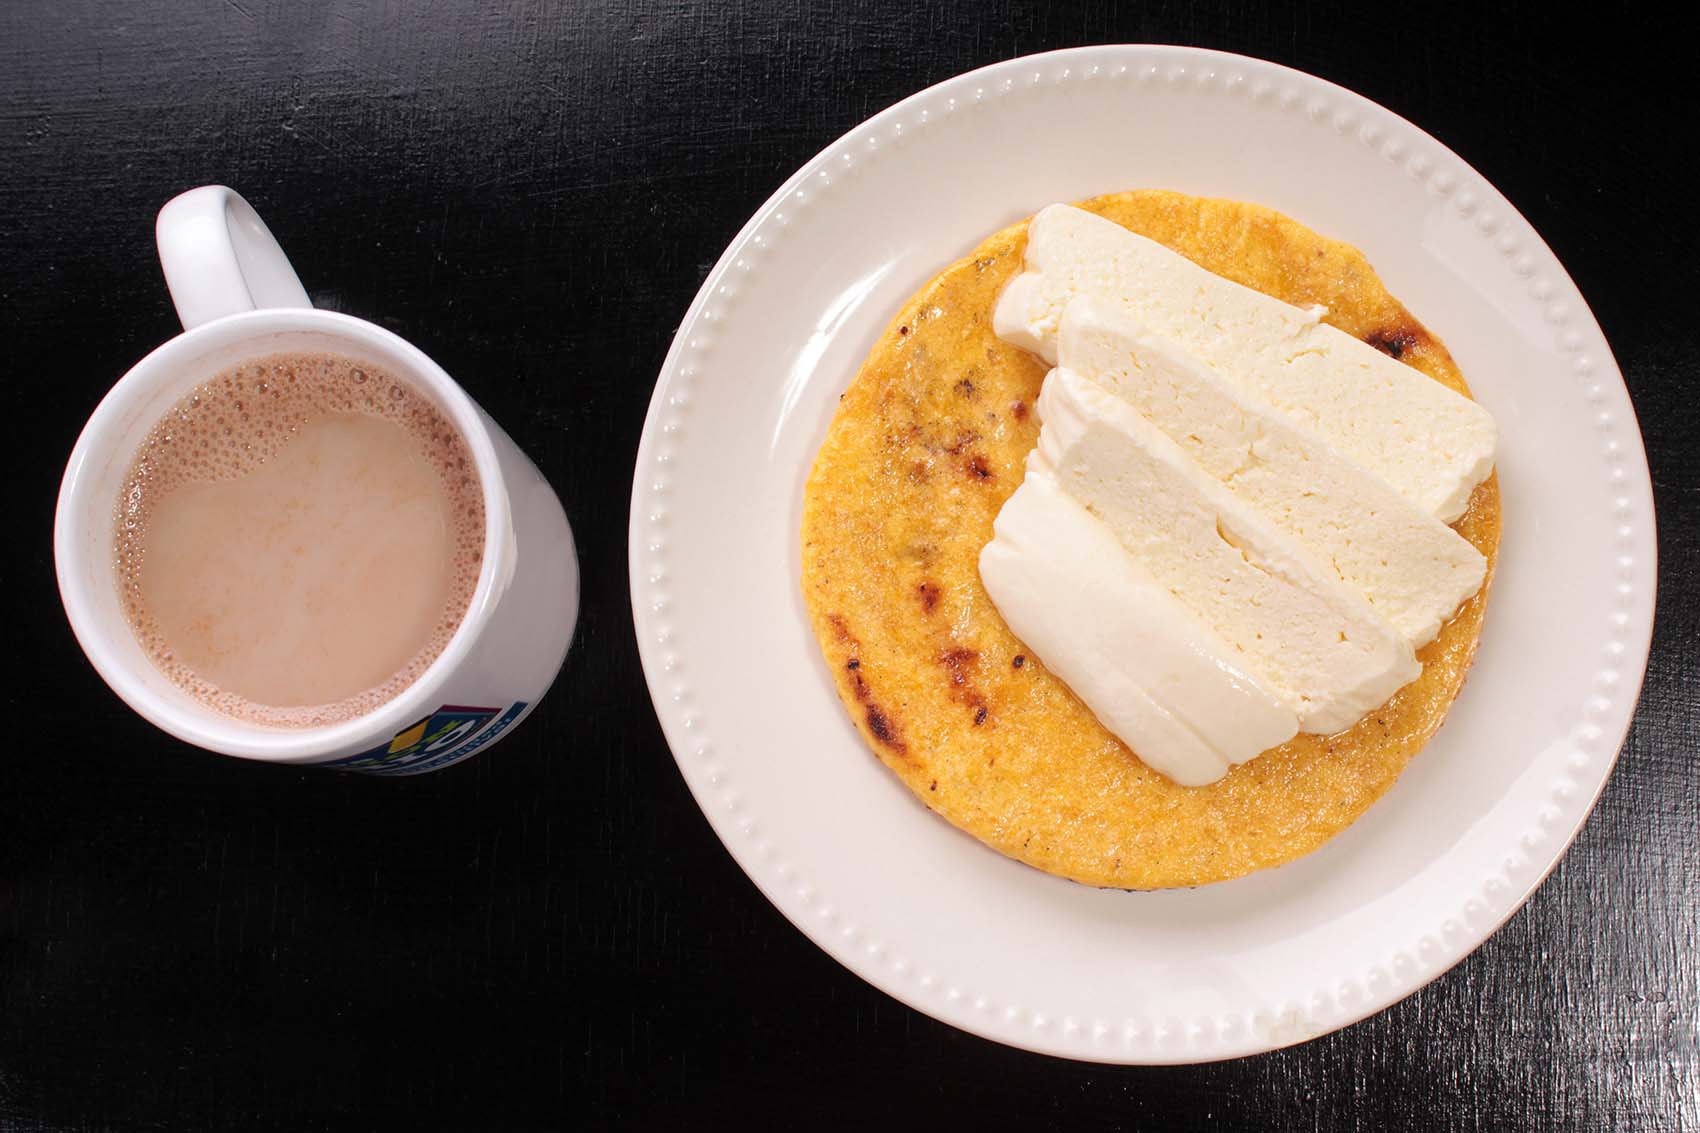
{"points": [[854, 665], [1395, 341], [977, 467], [902, 330], [962, 441], [934, 785], [884, 730], [880, 725], [965, 388], [1020, 660], [1018, 410], [957, 663], [930, 593]]}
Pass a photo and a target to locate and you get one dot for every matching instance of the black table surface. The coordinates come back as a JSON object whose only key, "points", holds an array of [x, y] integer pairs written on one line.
{"points": [[550, 934]]}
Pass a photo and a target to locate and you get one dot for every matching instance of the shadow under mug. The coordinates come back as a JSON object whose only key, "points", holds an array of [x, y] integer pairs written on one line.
{"points": [[239, 299]]}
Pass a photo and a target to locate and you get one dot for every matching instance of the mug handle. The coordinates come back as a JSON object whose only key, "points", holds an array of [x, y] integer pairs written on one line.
{"points": [[220, 258]]}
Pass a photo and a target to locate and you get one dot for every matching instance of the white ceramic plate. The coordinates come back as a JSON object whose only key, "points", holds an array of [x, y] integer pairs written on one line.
{"points": [[924, 912]]}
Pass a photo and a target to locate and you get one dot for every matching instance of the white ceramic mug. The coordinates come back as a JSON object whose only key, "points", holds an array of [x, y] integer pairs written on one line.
{"points": [[238, 299]]}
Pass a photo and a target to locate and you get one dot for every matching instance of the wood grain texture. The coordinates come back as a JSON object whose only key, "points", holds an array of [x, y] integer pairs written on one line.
{"points": [[550, 934]]}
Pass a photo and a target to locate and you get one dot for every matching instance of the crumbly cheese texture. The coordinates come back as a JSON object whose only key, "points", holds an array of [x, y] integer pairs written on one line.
{"points": [[929, 440], [1155, 674], [1414, 570], [1433, 445], [1326, 652]]}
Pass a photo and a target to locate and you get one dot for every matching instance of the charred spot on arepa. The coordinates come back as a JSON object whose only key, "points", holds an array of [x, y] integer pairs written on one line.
{"points": [[880, 724], [929, 594], [963, 439], [1397, 341], [960, 664], [858, 686], [972, 462], [884, 729], [957, 662]]}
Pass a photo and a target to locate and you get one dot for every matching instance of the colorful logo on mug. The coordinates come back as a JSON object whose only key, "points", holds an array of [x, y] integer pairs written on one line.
{"points": [[448, 735]]}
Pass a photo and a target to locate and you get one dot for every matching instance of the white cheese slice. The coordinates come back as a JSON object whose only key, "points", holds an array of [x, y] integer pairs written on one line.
{"points": [[1150, 671], [1311, 637], [1433, 445], [1411, 567]]}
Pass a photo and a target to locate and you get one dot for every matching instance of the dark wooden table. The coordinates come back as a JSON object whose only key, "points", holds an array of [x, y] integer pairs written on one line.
{"points": [[550, 934]]}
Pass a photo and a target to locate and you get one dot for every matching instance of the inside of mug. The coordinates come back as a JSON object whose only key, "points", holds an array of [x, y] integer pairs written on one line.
{"points": [[107, 453]]}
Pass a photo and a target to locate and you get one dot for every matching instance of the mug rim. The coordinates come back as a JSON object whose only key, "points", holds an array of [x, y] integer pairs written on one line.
{"points": [[205, 727]]}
